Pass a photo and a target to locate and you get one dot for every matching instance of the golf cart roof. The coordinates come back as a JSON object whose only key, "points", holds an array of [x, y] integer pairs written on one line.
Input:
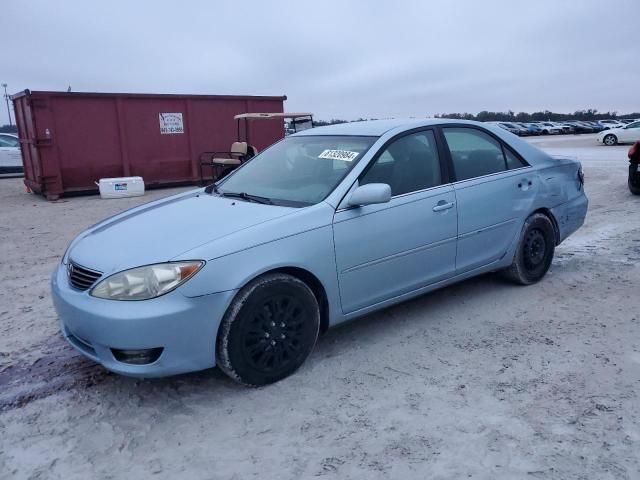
{"points": [[267, 116]]}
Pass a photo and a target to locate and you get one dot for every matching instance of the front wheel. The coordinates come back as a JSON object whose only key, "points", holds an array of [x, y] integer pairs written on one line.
{"points": [[535, 251], [610, 140], [268, 331]]}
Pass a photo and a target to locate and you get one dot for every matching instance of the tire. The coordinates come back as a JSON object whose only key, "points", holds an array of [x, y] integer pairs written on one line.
{"points": [[634, 179], [610, 140], [268, 331], [535, 251]]}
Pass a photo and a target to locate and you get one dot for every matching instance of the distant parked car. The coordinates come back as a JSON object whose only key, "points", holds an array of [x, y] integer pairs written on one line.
{"points": [[580, 127], [596, 126], [324, 226], [591, 126], [508, 127], [10, 157], [566, 128], [531, 128], [549, 128], [608, 124], [516, 128], [627, 134]]}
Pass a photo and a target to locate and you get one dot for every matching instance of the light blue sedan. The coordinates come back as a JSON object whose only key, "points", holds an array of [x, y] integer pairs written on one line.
{"points": [[324, 226]]}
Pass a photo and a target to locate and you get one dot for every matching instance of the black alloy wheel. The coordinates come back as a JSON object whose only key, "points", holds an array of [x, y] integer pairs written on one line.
{"points": [[269, 330], [535, 250], [273, 333]]}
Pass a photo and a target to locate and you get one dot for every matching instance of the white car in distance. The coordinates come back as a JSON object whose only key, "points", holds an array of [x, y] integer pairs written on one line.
{"points": [[549, 128], [627, 134], [10, 156]]}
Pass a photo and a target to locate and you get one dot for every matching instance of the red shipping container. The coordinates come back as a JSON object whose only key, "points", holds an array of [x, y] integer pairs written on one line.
{"points": [[70, 140]]}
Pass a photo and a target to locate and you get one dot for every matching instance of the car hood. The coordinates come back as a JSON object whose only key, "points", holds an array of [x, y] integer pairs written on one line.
{"points": [[161, 231]]}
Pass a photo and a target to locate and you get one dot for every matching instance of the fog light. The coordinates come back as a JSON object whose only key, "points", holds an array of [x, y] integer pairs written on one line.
{"points": [[137, 357]]}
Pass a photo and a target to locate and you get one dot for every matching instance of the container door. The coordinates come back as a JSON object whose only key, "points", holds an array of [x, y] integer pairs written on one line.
{"points": [[27, 135]]}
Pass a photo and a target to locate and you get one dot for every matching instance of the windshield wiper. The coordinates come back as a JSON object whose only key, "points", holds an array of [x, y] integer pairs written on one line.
{"points": [[247, 197]]}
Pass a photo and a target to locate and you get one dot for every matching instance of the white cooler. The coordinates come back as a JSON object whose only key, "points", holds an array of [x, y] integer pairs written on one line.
{"points": [[121, 187]]}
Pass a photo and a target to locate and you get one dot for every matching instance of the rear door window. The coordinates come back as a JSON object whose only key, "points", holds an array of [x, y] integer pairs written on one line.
{"points": [[474, 153], [513, 161]]}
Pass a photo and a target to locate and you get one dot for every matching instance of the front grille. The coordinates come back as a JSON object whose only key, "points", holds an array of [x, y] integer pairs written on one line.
{"points": [[82, 278]]}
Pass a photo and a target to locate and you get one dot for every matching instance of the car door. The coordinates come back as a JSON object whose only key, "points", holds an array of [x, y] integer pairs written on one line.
{"points": [[10, 158], [494, 190], [631, 133], [386, 250]]}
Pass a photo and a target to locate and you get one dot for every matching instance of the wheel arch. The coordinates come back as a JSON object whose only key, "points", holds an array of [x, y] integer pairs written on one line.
{"points": [[311, 280], [556, 228]]}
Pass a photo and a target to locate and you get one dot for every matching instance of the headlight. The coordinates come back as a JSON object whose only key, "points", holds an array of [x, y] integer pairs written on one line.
{"points": [[143, 283]]}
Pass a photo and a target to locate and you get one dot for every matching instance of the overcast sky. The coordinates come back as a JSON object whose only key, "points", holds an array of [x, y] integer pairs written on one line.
{"points": [[338, 59]]}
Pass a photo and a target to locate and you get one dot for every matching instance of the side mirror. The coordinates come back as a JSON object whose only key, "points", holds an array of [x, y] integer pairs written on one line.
{"points": [[370, 194]]}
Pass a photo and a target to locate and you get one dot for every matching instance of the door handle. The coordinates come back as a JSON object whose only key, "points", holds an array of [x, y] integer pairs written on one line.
{"points": [[524, 184], [443, 205]]}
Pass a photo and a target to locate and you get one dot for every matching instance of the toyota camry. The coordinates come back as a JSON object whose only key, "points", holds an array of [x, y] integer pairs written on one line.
{"points": [[324, 226]]}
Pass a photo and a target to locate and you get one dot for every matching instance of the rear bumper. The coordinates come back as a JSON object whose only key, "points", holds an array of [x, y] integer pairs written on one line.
{"points": [[185, 328], [571, 215]]}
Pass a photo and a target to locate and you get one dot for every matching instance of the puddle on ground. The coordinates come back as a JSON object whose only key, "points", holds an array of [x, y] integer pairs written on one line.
{"points": [[58, 368]]}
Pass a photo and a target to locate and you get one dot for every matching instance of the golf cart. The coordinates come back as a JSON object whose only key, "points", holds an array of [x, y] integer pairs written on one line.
{"points": [[222, 163]]}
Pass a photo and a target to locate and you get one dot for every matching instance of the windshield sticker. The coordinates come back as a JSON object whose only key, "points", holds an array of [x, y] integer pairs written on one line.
{"points": [[344, 155]]}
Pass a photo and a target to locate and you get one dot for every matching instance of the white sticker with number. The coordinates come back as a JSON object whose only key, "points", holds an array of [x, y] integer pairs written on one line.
{"points": [[344, 155]]}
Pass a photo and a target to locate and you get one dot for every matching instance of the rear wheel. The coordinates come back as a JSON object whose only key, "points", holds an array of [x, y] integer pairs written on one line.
{"points": [[610, 140], [269, 330], [535, 251]]}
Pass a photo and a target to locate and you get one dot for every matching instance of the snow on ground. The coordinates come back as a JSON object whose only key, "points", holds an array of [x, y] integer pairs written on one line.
{"points": [[482, 380]]}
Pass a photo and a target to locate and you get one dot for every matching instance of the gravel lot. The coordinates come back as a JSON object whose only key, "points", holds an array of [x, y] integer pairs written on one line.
{"points": [[482, 380]]}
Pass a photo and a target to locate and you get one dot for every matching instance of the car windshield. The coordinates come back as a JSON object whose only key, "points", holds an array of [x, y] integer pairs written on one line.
{"points": [[8, 141], [297, 171]]}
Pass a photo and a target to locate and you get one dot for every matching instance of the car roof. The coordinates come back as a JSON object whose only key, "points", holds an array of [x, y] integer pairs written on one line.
{"points": [[389, 128], [377, 128]]}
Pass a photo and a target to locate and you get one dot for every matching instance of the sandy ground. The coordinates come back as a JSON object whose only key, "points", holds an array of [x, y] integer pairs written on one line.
{"points": [[482, 380]]}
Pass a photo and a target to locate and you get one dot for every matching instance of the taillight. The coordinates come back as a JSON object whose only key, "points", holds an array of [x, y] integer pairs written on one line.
{"points": [[581, 176]]}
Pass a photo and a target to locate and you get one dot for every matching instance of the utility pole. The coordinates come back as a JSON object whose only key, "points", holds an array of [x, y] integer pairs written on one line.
{"points": [[6, 97]]}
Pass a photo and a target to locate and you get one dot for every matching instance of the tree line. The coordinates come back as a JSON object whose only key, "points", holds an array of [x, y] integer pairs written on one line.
{"points": [[510, 116]]}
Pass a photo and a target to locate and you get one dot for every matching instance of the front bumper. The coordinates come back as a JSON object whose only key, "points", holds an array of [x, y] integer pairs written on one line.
{"points": [[184, 327]]}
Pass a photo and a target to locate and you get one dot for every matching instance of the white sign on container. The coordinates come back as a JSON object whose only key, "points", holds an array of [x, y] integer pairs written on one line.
{"points": [[171, 123]]}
